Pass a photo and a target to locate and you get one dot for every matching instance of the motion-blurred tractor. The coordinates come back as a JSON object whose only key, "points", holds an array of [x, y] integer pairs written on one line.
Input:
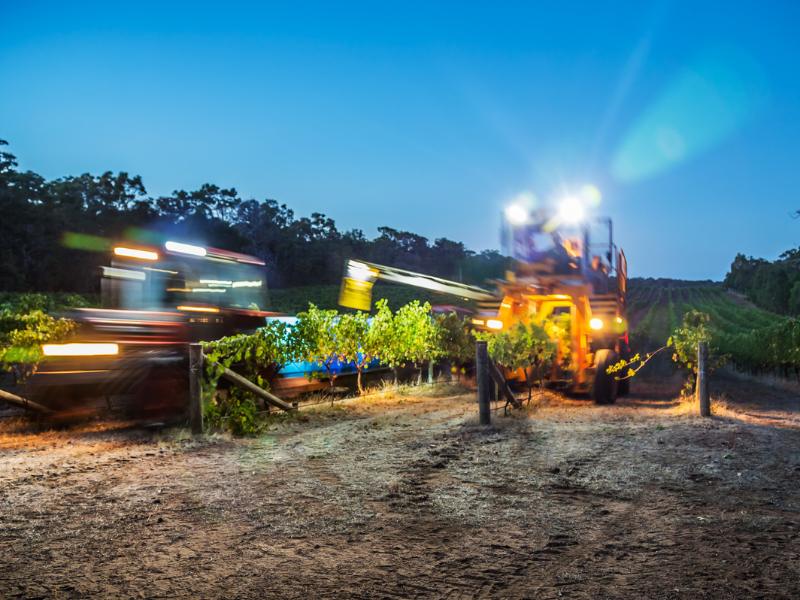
{"points": [[157, 298], [556, 270]]}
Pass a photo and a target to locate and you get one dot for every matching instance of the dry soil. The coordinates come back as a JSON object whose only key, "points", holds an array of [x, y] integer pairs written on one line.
{"points": [[408, 497]]}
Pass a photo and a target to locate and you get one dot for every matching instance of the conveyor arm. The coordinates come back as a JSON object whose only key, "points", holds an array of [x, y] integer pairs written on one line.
{"points": [[360, 276]]}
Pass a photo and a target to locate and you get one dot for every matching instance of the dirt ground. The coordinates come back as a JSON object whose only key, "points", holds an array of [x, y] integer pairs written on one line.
{"points": [[408, 497]]}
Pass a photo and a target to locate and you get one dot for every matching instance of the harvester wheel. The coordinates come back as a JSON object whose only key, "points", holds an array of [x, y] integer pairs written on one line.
{"points": [[605, 384]]}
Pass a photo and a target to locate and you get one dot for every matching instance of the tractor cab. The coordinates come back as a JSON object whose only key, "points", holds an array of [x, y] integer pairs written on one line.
{"points": [[216, 292]]}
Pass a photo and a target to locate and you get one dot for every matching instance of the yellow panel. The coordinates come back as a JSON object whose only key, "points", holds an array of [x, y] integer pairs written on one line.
{"points": [[506, 311], [356, 294]]}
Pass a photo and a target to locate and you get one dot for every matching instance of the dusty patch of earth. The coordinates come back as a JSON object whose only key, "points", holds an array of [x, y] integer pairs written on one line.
{"points": [[410, 498]]}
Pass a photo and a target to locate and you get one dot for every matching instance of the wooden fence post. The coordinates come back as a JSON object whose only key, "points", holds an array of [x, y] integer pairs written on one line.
{"points": [[195, 387], [484, 383], [702, 379]]}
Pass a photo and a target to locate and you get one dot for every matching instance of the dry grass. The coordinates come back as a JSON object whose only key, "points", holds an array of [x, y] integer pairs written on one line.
{"points": [[767, 381]]}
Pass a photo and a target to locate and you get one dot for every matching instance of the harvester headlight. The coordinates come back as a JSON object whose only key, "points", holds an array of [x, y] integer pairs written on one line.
{"points": [[80, 349], [571, 210], [494, 324], [516, 214], [596, 324]]}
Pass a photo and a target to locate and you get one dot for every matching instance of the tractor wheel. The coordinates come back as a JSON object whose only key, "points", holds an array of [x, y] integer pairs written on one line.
{"points": [[605, 384], [163, 395], [66, 403], [59, 399]]}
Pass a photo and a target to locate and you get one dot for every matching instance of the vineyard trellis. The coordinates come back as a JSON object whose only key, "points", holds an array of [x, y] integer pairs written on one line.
{"points": [[755, 341]]}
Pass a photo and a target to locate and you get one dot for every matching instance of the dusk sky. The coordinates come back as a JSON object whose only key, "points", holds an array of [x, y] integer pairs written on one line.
{"points": [[431, 117]]}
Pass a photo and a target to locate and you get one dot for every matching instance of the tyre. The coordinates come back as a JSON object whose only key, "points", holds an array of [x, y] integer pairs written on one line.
{"points": [[605, 384], [163, 395], [60, 398]]}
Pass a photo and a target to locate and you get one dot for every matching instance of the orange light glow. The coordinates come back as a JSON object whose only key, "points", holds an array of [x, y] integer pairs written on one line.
{"points": [[207, 309], [136, 253]]}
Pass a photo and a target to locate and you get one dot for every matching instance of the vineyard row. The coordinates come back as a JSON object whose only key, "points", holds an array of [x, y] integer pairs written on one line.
{"points": [[755, 341]]}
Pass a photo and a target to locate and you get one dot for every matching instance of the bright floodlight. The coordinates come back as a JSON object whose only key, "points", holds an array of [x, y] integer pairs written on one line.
{"points": [[571, 210], [516, 214]]}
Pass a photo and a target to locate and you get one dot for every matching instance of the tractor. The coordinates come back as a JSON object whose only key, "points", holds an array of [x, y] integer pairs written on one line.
{"points": [[157, 297]]}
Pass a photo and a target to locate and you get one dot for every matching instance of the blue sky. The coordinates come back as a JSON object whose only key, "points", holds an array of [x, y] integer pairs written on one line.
{"points": [[431, 117]]}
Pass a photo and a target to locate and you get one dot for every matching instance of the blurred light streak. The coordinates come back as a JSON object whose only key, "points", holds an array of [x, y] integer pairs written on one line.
{"points": [[207, 309], [185, 249], [123, 273], [132, 253], [80, 349]]}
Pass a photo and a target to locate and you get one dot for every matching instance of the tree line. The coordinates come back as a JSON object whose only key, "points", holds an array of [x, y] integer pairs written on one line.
{"points": [[297, 251], [773, 286]]}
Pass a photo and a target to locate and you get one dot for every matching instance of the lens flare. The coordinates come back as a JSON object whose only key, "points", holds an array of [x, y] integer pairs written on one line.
{"points": [[710, 101], [590, 195]]}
